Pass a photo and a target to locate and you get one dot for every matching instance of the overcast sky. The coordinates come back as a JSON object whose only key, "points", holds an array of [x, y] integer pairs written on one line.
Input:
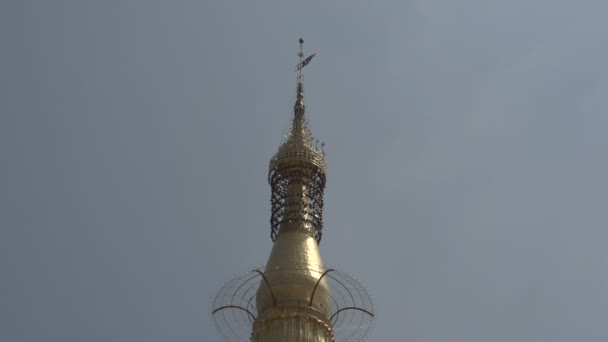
{"points": [[466, 147]]}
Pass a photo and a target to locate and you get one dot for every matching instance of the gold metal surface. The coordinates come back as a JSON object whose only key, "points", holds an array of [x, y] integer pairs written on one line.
{"points": [[290, 300], [300, 146], [292, 323], [293, 269], [297, 179], [286, 306]]}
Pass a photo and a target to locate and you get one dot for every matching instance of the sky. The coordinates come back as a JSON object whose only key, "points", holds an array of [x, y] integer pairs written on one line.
{"points": [[465, 142]]}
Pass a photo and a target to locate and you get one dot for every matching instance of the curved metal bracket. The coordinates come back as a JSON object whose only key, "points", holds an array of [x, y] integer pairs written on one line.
{"points": [[234, 307], [317, 284], [350, 308], [274, 300]]}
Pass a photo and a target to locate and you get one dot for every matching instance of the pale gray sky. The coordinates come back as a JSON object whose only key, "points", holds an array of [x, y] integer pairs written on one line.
{"points": [[466, 148]]}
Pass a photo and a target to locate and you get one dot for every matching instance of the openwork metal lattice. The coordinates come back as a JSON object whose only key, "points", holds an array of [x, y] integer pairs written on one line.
{"points": [[297, 206], [351, 314]]}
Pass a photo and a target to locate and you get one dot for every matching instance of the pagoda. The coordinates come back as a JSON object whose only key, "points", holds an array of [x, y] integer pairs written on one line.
{"points": [[295, 298]]}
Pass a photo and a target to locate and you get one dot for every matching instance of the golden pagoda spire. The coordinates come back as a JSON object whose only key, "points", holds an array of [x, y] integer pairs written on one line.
{"points": [[295, 295], [297, 173], [295, 298]]}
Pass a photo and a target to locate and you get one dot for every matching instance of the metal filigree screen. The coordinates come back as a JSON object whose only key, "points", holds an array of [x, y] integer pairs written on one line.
{"points": [[305, 205]]}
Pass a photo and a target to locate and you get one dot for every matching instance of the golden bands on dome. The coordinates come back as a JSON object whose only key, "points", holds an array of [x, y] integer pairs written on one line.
{"points": [[305, 312], [293, 155]]}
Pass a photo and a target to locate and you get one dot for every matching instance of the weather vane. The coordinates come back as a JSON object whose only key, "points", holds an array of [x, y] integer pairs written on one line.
{"points": [[303, 62]]}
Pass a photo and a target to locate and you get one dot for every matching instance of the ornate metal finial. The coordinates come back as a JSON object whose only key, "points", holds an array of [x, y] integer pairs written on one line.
{"points": [[303, 62], [301, 55], [297, 173]]}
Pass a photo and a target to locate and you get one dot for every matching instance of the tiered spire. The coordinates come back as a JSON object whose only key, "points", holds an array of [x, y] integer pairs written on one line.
{"points": [[295, 297], [297, 173], [299, 138]]}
